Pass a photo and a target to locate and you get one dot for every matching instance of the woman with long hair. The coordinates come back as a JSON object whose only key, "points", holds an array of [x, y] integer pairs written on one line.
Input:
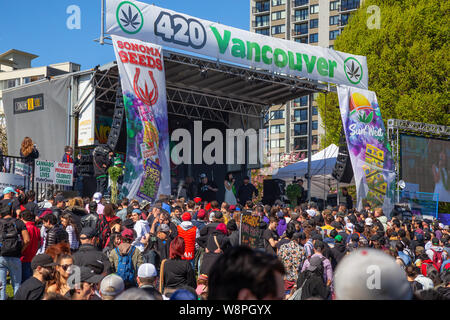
{"points": [[230, 189], [63, 270], [28, 151], [72, 230], [176, 272]]}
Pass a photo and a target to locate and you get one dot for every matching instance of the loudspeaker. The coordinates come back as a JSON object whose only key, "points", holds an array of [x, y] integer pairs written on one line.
{"points": [[343, 171], [116, 126], [273, 189]]}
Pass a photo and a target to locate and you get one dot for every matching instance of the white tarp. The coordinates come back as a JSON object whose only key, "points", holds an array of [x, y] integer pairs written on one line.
{"points": [[172, 29], [322, 165]]}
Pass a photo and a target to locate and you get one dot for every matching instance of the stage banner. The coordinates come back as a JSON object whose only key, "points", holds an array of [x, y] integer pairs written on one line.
{"points": [[147, 166], [250, 231], [369, 149], [180, 31]]}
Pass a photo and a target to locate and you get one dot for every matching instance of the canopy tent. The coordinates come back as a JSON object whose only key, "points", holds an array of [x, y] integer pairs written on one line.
{"points": [[322, 165]]}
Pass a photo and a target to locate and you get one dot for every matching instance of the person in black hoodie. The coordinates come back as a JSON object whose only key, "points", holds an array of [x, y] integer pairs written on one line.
{"points": [[102, 161], [217, 243], [246, 192], [311, 281], [175, 272], [338, 251]]}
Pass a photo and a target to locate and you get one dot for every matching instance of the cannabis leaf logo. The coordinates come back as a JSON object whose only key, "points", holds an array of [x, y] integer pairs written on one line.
{"points": [[129, 19], [353, 70]]}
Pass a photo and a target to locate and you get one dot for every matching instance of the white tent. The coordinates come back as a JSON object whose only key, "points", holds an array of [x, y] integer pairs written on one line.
{"points": [[322, 165]]}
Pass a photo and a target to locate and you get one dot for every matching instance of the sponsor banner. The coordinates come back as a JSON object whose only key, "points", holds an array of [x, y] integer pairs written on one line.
{"points": [[250, 231], [180, 31], [10, 180], [54, 172], [369, 149], [147, 167], [44, 171]]}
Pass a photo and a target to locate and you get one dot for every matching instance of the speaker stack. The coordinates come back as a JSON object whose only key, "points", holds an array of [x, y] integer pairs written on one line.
{"points": [[343, 171], [273, 189], [119, 111]]}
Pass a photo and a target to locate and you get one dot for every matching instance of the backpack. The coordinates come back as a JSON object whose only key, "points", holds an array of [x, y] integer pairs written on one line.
{"points": [[10, 241], [125, 267], [103, 231], [437, 259]]}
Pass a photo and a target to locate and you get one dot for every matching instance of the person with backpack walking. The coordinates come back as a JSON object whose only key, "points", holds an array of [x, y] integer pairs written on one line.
{"points": [[189, 233], [436, 253], [126, 259], [319, 246], [91, 219], [14, 239], [311, 283]]}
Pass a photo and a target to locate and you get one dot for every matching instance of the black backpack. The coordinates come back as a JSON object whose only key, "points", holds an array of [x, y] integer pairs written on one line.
{"points": [[10, 241]]}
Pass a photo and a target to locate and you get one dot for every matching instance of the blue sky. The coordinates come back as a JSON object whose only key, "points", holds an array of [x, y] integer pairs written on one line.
{"points": [[39, 27]]}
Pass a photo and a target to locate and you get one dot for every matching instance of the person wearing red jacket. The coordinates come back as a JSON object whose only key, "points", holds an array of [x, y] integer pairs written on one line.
{"points": [[35, 242], [189, 233]]}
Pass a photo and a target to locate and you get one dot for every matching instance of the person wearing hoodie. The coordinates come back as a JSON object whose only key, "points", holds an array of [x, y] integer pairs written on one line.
{"points": [[90, 220], [141, 228], [282, 225], [189, 233], [126, 248], [379, 215], [338, 251], [217, 243]]}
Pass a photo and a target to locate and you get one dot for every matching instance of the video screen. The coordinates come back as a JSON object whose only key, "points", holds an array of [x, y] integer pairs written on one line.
{"points": [[425, 165]]}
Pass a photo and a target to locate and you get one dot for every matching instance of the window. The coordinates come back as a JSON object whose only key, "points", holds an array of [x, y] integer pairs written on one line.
{"points": [[301, 102], [279, 128], [277, 143], [313, 38], [302, 40], [300, 129], [315, 125], [278, 114], [315, 111], [262, 21], [300, 143], [301, 29], [277, 15], [349, 5], [314, 9], [262, 6], [265, 31], [314, 23], [344, 19], [279, 29], [278, 2], [300, 3], [301, 115], [301, 15], [334, 5], [334, 20], [11, 83], [334, 34]]}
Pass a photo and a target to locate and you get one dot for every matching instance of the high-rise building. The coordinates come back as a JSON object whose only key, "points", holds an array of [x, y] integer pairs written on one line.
{"points": [[314, 22]]}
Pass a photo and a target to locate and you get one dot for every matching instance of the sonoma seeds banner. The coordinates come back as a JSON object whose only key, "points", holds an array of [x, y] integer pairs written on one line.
{"points": [[180, 31], [141, 70], [369, 149]]}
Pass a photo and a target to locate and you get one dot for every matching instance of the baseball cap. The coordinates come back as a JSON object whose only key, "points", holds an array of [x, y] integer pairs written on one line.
{"points": [[147, 270], [112, 285], [136, 211], [166, 207], [435, 241], [338, 238], [354, 277], [42, 260], [9, 190], [369, 222], [144, 203], [186, 216], [311, 212], [97, 197], [88, 232], [349, 226], [88, 275], [197, 199], [127, 234], [203, 175], [232, 207], [163, 228]]}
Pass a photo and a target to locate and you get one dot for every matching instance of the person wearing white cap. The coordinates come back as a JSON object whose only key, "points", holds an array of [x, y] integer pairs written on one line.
{"points": [[146, 280], [111, 286], [370, 274], [97, 197], [369, 222]]}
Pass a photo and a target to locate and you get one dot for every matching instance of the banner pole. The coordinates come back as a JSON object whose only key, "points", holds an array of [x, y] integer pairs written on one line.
{"points": [[309, 145], [102, 23]]}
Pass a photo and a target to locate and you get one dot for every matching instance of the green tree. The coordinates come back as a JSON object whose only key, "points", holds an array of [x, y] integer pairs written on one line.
{"points": [[407, 58]]}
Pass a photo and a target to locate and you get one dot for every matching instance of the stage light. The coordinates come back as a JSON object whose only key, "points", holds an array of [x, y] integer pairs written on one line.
{"points": [[203, 72]]}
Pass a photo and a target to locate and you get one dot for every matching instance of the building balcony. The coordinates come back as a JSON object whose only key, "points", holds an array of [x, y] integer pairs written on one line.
{"points": [[260, 25], [299, 3], [296, 19], [297, 33], [256, 10]]}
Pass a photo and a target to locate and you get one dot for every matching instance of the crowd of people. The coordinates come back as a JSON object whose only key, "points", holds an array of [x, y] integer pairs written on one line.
{"points": [[91, 249]]}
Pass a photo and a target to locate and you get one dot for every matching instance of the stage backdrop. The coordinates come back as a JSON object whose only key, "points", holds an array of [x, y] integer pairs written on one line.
{"points": [[144, 93], [369, 148]]}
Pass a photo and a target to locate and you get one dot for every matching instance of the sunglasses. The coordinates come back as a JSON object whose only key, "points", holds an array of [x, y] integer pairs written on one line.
{"points": [[65, 266]]}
